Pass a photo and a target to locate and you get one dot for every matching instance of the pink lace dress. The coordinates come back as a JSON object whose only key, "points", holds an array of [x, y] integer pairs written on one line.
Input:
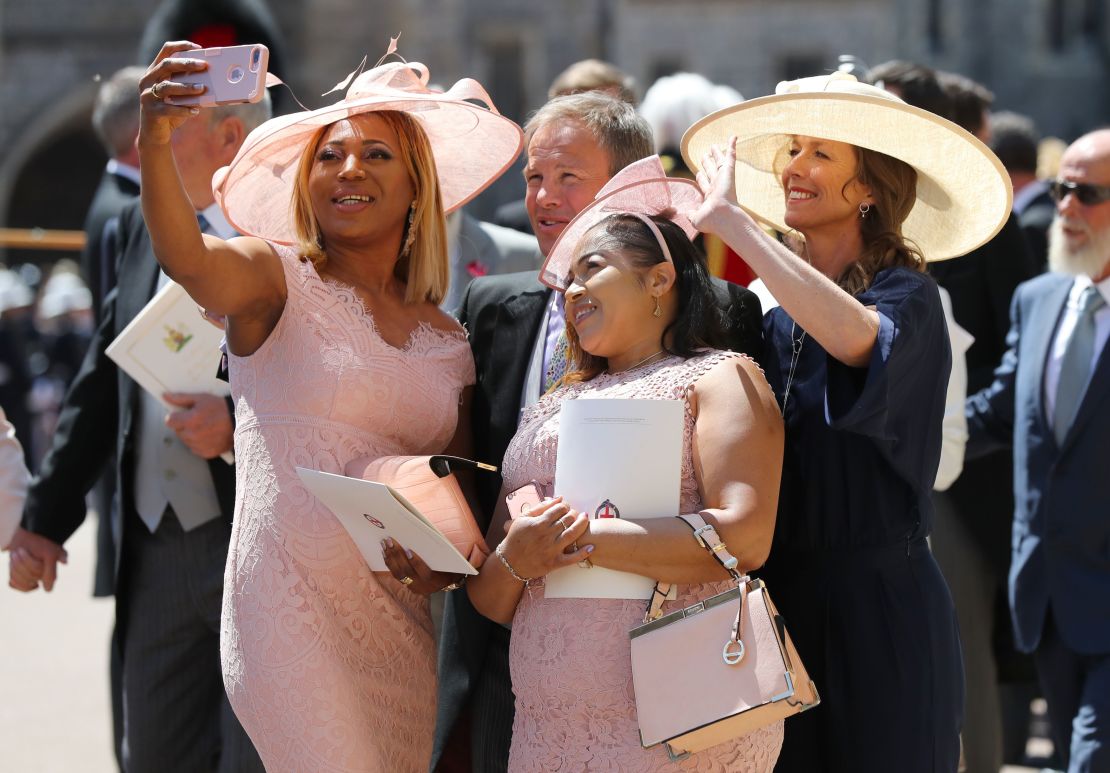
{"points": [[569, 658], [329, 666]]}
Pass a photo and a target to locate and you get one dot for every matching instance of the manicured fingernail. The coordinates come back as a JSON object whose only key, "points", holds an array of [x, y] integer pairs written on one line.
{"points": [[388, 542], [589, 548], [408, 554], [194, 110]]}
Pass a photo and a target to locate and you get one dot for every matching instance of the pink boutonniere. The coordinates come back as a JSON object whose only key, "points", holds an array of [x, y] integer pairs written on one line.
{"points": [[474, 268]]}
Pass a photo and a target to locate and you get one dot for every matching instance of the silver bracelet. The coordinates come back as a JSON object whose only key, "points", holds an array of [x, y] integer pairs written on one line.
{"points": [[509, 567]]}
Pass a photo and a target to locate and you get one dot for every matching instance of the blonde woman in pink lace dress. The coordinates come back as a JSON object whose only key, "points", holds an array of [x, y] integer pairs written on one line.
{"points": [[639, 316], [337, 351]]}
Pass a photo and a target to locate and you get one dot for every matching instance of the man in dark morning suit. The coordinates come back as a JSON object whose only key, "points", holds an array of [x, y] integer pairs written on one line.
{"points": [[1050, 399], [115, 119], [175, 495], [573, 145]]}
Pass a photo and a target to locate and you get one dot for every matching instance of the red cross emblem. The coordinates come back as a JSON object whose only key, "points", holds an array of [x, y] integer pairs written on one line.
{"points": [[607, 510], [373, 520]]}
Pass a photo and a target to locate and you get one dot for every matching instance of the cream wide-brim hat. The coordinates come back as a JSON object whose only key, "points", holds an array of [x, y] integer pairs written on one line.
{"points": [[964, 195], [472, 144]]}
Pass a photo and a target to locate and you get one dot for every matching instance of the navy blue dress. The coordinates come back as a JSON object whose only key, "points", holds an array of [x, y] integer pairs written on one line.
{"points": [[850, 570]]}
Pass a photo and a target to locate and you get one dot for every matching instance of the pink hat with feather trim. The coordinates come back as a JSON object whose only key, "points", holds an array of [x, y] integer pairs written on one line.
{"points": [[472, 144], [642, 189]]}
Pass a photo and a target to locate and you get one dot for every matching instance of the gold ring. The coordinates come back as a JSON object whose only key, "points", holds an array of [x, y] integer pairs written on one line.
{"points": [[406, 580], [156, 90]]}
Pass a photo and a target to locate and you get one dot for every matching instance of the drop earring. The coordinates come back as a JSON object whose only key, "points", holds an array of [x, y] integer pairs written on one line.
{"points": [[410, 233], [864, 208], [658, 309]]}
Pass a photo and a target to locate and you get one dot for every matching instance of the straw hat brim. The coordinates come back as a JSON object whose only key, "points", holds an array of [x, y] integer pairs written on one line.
{"points": [[964, 195], [472, 147], [647, 197]]}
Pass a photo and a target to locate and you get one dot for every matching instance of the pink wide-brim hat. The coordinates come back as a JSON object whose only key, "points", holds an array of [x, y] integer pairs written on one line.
{"points": [[641, 189], [472, 144]]}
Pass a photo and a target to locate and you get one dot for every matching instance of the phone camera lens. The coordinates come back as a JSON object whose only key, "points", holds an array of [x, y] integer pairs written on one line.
{"points": [[235, 74]]}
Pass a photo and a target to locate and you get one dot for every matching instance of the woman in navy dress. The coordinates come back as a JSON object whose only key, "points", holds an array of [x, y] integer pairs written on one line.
{"points": [[867, 188]]}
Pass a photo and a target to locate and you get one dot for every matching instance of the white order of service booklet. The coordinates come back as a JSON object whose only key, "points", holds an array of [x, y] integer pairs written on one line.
{"points": [[372, 511], [170, 347], [616, 459]]}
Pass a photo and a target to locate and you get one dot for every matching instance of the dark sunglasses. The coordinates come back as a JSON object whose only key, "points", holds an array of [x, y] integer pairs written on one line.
{"points": [[1086, 193]]}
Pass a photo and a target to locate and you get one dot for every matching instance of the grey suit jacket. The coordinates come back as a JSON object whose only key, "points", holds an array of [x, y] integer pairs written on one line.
{"points": [[485, 249]]}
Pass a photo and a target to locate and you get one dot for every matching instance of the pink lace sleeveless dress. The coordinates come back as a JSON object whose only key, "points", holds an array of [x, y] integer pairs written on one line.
{"points": [[570, 658], [329, 666]]}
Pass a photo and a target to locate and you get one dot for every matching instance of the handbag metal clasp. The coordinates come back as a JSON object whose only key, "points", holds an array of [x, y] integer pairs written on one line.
{"points": [[733, 652]]}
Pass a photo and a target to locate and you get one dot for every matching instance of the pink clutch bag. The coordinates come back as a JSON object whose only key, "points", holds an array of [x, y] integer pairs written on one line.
{"points": [[717, 669], [429, 484]]}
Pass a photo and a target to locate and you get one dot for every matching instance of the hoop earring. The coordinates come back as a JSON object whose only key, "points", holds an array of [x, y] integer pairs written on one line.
{"points": [[658, 309], [864, 208], [410, 233]]}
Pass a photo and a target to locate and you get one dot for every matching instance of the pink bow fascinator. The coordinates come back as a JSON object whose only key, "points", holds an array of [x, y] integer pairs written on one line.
{"points": [[641, 189], [472, 144]]}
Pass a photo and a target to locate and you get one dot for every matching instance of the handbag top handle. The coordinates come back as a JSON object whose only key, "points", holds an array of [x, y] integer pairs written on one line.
{"points": [[708, 538]]}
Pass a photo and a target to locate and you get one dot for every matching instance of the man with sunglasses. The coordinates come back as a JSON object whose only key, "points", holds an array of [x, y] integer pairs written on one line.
{"points": [[1051, 400]]}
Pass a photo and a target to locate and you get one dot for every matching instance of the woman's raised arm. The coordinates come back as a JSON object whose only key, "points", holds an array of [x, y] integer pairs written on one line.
{"points": [[240, 279], [845, 328]]}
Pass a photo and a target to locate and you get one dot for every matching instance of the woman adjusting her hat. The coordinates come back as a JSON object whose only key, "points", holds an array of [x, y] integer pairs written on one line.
{"points": [[858, 354], [337, 351]]}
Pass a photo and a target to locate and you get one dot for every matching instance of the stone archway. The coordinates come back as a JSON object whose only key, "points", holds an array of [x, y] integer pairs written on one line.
{"points": [[51, 171]]}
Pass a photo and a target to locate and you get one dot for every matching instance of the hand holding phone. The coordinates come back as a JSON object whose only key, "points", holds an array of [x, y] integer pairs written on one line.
{"points": [[235, 74], [524, 499]]}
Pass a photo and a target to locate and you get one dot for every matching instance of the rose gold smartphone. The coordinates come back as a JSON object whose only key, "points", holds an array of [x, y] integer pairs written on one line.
{"points": [[523, 499], [235, 74]]}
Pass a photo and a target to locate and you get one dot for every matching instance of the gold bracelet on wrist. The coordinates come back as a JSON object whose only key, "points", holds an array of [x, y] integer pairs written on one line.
{"points": [[509, 567]]}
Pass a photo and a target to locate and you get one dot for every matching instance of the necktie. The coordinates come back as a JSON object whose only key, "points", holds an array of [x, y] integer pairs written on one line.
{"points": [[557, 367], [1075, 367]]}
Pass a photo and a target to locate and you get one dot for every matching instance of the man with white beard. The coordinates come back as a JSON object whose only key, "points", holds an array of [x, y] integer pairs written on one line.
{"points": [[1051, 400]]}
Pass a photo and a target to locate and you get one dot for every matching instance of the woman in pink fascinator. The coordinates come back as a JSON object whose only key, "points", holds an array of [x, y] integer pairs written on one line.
{"points": [[337, 351], [641, 324]]}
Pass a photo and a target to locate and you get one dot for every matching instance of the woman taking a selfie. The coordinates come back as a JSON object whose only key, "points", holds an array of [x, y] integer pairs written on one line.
{"points": [[337, 351]]}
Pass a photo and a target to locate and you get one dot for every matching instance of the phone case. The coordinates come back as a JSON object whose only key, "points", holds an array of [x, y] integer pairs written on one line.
{"points": [[526, 497], [235, 74]]}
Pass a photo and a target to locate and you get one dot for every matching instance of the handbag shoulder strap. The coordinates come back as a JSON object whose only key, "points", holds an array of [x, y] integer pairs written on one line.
{"points": [[708, 538]]}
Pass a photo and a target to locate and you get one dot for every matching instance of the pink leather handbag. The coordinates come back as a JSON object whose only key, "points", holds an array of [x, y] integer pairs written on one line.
{"points": [[717, 669], [429, 484]]}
